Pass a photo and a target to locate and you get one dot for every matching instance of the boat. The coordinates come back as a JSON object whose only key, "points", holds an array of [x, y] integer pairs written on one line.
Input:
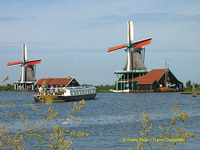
{"points": [[167, 89], [70, 94], [168, 86], [120, 91]]}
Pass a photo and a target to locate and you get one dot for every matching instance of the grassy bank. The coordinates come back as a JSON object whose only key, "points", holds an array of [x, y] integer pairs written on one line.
{"points": [[189, 91], [7, 87], [105, 88]]}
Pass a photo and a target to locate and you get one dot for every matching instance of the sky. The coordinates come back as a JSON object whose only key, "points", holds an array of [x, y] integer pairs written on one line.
{"points": [[72, 37]]}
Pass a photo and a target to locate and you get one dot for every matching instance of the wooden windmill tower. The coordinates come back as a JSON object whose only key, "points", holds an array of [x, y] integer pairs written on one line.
{"points": [[27, 79], [135, 62]]}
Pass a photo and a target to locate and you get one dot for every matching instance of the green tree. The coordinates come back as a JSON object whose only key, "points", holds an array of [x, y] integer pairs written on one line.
{"points": [[196, 85], [188, 84]]}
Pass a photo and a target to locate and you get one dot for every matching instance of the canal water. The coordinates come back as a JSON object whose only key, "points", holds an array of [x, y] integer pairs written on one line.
{"points": [[113, 120]]}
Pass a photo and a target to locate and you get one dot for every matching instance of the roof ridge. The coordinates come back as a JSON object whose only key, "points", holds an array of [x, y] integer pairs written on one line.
{"points": [[150, 77]]}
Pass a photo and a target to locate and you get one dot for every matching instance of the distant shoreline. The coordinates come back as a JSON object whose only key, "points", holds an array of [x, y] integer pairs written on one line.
{"points": [[190, 93], [187, 91], [108, 91]]}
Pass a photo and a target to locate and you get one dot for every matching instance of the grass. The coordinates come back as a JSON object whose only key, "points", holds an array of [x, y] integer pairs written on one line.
{"points": [[105, 88], [189, 91]]}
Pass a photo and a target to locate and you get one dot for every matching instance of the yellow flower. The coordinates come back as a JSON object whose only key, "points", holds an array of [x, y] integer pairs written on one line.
{"points": [[71, 117], [173, 122], [142, 134], [147, 131], [175, 104]]}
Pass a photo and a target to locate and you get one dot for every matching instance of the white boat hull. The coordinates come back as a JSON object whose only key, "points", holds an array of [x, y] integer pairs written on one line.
{"points": [[120, 91], [62, 98]]}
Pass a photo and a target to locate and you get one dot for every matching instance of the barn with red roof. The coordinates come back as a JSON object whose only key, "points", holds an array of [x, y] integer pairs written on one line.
{"points": [[57, 82], [150, 81], [156, 78]]}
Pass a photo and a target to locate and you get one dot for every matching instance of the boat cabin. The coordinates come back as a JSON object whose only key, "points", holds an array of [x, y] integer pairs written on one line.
{"points": [[70, 91]]}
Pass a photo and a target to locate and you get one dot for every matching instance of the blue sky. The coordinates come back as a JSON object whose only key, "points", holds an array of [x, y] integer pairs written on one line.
{"points": [[72, 37]]}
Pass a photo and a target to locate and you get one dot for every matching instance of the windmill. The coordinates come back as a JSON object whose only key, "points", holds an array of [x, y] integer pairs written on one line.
{"points": [[27, 72], [135, 62], [133, 49]]}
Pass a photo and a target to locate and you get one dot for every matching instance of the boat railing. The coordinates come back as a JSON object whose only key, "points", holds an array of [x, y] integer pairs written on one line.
{"points": [[51, 91], [70, 90]]}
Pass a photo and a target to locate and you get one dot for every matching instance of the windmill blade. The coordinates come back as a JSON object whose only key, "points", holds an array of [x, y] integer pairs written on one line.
{"points": [[130, 32], [33, 62], [14, 63], [25, 55], [116, 47], [141, 43]]}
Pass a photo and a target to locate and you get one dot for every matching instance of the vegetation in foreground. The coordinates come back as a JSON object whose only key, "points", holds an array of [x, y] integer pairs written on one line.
{"points": [[170, 135]]}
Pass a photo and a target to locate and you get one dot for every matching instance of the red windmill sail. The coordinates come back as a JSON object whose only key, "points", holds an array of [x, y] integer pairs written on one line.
{"points": [[142, 43], [34, 62], [133, 49], [116, 47], [14, 63]]}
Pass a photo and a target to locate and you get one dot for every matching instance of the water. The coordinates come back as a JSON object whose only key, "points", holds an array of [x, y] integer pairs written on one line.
{"points": [[111, 117]]}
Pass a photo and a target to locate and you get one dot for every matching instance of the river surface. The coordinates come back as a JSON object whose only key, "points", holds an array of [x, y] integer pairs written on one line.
{"points": [[112, 118]]}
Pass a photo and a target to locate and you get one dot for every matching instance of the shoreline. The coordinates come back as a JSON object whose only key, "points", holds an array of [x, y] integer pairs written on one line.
{"points": [[190, 93], [108, 91]]}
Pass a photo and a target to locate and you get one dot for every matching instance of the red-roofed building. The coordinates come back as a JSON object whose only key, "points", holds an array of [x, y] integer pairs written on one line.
{"points": [[150, 77], [150, 81], [57, 82], [156, 78]]}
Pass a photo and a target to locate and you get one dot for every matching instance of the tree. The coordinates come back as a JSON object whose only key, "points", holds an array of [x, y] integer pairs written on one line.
{"points": [[188, 84]]}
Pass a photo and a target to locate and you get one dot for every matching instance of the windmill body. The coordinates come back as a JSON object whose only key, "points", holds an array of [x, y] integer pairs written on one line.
{"points": [[134, 66], [136, 62], [27, 78]]}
